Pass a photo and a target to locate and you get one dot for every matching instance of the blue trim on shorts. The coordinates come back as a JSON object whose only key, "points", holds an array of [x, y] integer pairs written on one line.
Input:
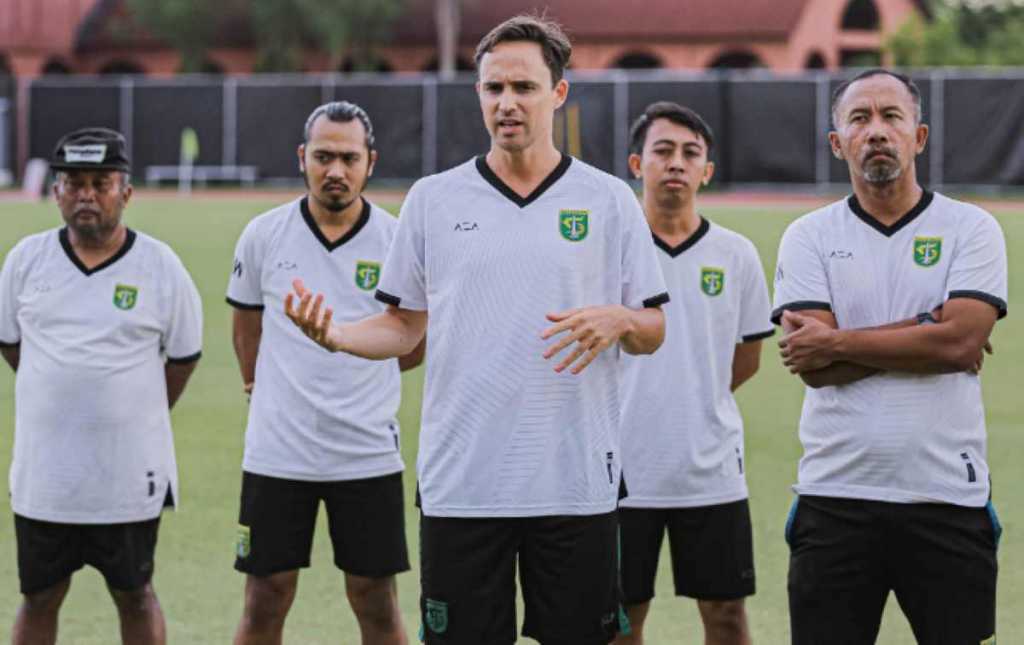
{"points": [[789, 520], [997, 528]]}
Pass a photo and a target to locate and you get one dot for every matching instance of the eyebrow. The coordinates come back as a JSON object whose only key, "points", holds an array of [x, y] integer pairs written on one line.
{"points": [[690, 144]]}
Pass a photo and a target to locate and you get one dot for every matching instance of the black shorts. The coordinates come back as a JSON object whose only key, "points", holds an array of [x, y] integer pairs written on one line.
{"points": [[712, 551], [847, 554], [568, 569], [49, 552], [366, 519]]}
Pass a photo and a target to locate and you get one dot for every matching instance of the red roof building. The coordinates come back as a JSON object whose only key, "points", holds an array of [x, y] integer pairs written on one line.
{"points": [[61, 36]]}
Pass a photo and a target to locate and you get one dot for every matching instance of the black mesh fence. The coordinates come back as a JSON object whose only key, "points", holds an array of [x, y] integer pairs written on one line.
{"points": [[767, 129]]}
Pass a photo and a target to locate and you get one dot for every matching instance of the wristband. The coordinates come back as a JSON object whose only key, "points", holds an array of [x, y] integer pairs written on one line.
{"points": [[926, 318]]}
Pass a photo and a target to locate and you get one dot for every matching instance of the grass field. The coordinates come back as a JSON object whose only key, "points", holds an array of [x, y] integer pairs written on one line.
{"points": [[201, 593]]}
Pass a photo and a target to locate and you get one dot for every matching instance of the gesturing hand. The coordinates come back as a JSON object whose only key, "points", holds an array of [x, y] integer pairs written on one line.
{"points": [[592, 329], [307, 316], [808, 347]]}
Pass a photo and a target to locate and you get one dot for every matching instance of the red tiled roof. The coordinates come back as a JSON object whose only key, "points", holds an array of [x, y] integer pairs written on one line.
{"points": [[618, 19]]}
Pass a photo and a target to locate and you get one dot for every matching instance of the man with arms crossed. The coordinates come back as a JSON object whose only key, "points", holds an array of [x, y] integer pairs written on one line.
{"points": [[520, 256], [103, 327], [320, 428], [887, 300], [682, 434]]}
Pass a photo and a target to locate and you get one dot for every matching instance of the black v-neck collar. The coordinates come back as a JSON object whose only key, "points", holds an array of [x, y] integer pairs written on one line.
{"points": [[307, 215], [889, 231], [503, 188], [65, 243], [675, 251]]}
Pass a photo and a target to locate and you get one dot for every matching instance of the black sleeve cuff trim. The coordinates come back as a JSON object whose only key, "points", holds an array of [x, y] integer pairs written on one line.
{"points": [[387, 298], [749, 338], [243, 305], [4, 343], [656, 301], [800, 305], [184, 359], [998, 303]]}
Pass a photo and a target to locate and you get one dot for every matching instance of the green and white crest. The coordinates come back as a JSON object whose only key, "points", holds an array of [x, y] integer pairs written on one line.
{"points": [[367, 274], [927, 250], [712, 280], [574, 224], [242, 544], [125, 296], [436, 615]]}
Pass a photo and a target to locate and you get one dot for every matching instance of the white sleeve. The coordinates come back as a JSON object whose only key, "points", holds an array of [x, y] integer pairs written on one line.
{"points": [[244, 289], [800, 279], [183, 337], [10, 332], [978, 268], [755, 310], [403, 281], [643, 284]]}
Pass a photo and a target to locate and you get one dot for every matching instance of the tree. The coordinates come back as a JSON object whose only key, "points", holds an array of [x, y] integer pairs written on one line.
{"points": [[186, 25], [963, 33], [279, 27], [352, 27]]}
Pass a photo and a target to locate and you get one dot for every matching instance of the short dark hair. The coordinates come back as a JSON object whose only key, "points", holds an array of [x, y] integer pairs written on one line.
{"points": [[340, 112], [554, 44], [675, 113], [908, 83]]}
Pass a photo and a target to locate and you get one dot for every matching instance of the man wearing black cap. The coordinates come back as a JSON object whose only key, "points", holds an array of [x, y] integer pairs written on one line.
{"points": [[103, 326]]}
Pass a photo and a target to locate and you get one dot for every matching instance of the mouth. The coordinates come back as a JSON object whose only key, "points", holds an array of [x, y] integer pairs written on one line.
{"points": [[880, 154], [674, 183], [335, 188], [507, 124]]}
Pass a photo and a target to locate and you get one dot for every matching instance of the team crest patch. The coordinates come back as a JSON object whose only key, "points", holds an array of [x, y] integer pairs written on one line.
{"points": [[927, 250], [436, 615], [242, 543], [712, 280], [574, 224], [125, 296], [367, 274]]}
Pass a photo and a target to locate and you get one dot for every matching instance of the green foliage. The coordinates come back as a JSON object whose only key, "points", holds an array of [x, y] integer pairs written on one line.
{"points": [[279, 27], [186, 25], [962, 33], [351, 26]]}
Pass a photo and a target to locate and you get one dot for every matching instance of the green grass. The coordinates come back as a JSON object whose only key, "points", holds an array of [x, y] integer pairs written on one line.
{"points": [[202, 594]]}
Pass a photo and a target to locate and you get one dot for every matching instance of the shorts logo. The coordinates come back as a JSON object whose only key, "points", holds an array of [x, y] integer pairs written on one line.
{"points": [[927, 250], [242, 544], [435, 613], [367, 274], [574, 224], [125, 296], [712, 280], [989, 641]]}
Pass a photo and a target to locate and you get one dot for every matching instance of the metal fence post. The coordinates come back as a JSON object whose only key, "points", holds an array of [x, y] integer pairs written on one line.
{"points": [[937, 129], [823, 109], [620, 129], [229, 123], [430, 143]]}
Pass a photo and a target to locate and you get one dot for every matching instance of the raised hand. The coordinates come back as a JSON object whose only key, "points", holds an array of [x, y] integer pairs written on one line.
{"points": [[592, 329], [307, 317]]}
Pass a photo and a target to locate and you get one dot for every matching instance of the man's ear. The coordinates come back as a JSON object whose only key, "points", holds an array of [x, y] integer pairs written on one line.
{"points": [[833, 141], [634, 165], [301, 152], [373, 162]]}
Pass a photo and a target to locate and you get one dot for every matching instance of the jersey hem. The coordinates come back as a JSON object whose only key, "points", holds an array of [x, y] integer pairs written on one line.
{"points": [[684, 502], [874, 494], [257, 469], [987, 298], [799, 305], [243, 305], [520, 511], [74, 518], [761, 335], [191, 358]]}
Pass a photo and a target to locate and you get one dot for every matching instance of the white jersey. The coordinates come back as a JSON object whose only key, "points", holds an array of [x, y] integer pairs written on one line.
{"points": [[502, 434], [894, 436], [314, 415], [682, 433], [92, 439]]}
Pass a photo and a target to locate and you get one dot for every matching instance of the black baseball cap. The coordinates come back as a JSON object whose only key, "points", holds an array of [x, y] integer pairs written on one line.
{"points": [[91, 149]]}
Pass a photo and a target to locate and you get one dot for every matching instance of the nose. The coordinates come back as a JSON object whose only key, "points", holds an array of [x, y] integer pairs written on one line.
{"points": [[506, 101], [675, 162], [336, 169], [877, 134]]}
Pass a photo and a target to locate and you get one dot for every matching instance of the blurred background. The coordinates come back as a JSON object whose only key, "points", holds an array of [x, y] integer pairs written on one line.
{"points": [[202, 79]]}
